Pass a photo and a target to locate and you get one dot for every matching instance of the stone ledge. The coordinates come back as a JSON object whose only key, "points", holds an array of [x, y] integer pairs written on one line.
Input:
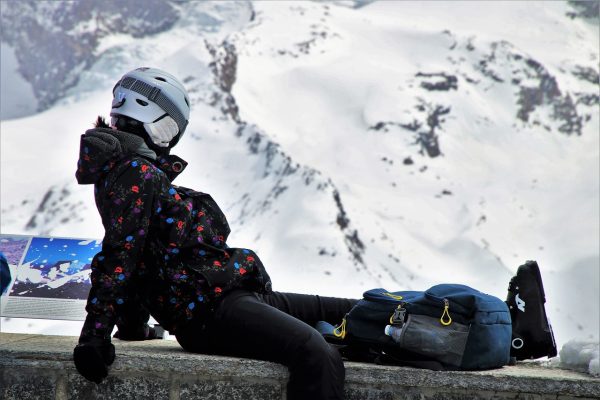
{"points": [[40, 367]]}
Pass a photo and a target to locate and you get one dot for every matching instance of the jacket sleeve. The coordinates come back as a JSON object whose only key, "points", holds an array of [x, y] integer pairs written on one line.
{"points": [[126, 206]]}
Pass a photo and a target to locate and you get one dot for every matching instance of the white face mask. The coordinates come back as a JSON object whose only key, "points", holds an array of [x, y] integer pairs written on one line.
{"points": [[162, 131]]}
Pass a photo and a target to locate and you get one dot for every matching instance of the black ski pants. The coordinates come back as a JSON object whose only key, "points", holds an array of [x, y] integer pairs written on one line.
{"points": [[277, 327]]}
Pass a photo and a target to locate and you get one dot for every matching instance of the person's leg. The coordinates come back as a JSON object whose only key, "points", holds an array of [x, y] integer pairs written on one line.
{"points": [[310, 308], [245, 326]]}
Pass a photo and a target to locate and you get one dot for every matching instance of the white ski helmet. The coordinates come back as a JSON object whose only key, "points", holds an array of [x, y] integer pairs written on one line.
{"points": [[156, 99]]}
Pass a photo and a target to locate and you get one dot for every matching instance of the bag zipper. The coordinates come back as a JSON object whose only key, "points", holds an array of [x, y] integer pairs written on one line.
{"points": [[445, 319], [340, 330], [446, 313]]}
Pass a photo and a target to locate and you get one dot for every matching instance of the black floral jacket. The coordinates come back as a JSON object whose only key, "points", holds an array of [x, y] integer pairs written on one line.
{"points": [[164, 251]]}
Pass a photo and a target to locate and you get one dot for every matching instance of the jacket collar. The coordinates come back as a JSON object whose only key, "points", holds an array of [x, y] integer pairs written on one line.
{"points": [[101, 148]]}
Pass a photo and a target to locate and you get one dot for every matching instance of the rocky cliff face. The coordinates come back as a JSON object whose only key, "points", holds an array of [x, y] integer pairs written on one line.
{"points": [[499, 65], [278, 166], [55, 41]]}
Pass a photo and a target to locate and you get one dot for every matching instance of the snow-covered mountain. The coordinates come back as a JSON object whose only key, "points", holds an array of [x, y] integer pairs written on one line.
{"points": [[351, 144]]}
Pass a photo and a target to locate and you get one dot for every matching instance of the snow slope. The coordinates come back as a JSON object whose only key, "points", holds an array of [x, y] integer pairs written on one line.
{"points": [[396, 144]]}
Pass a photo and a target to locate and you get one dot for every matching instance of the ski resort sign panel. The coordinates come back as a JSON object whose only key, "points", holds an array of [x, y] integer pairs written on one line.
{"points": [[50, 277]]}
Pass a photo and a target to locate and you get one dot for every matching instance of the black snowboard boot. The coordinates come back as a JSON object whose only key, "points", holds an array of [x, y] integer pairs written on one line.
{"points": [[532, 335]]}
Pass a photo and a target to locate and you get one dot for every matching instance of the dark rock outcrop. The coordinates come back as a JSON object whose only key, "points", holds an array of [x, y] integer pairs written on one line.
{"points": [[55, 41]]}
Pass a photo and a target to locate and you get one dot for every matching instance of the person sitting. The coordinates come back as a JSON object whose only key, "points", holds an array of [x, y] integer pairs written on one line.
{"points": [[165, 254]]}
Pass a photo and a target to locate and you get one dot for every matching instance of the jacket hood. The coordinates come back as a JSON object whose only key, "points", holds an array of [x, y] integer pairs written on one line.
{"points": [[102, 147]]}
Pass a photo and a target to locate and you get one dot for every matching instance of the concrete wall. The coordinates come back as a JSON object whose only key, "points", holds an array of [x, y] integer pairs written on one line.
{"points": [[41, 367]]}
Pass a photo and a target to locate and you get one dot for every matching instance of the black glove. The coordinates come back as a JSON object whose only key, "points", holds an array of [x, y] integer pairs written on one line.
{"points": [[92, 358], [145, 333]]}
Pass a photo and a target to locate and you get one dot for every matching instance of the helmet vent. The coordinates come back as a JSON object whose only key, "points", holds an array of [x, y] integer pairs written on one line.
{"points": [[158, 78], [186, 101], [141, 102]]}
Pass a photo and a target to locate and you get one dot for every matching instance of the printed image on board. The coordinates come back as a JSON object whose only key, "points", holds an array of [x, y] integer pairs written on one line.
{"points": [[13, 247], [56, 268]]}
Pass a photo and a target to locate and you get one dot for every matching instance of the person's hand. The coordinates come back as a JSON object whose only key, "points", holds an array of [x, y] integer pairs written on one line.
{"points": [[93, 357]]}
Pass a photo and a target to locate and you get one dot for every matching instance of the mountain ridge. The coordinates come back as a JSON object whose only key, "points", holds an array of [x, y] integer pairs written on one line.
{"points": [[358, 144]]}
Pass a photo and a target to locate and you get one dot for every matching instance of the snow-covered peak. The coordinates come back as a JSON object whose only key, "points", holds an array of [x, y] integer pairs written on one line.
{"points": [[351, 144]]}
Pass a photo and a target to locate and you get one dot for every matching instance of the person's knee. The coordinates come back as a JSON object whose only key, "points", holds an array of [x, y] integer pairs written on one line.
{"points": [[317, 353], [195, 338]]}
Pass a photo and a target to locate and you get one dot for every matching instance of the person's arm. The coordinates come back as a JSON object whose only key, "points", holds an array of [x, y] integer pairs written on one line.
{"points": [[126, 210]]}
